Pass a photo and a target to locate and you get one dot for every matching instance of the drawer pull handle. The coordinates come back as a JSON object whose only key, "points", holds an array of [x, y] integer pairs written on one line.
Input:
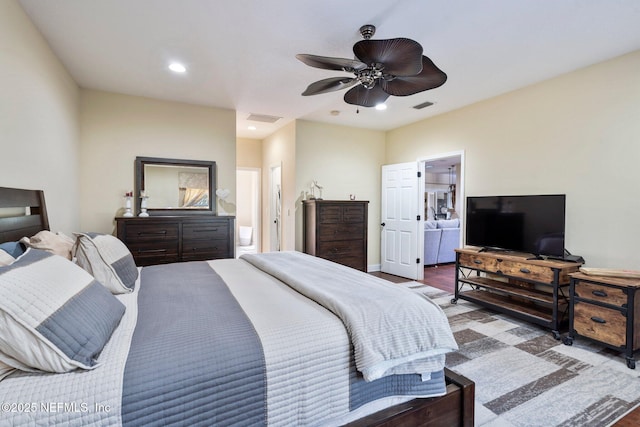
{"points": [[477, 261], [152, 233], [151, 251], [599, 293], [598, 320], [525, 270]]}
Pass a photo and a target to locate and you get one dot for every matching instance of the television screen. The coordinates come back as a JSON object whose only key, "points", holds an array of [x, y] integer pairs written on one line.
{"points": [[531, 224]]}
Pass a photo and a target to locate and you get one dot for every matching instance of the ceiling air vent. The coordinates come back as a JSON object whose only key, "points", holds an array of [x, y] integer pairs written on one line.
{"points": [[423, 105], [263, 118]]}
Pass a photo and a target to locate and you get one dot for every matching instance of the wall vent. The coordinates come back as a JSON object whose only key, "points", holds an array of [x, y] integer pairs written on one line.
{"points": [[263, 118], [423, 105]]}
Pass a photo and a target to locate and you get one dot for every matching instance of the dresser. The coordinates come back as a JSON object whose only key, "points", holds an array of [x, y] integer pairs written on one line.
{"points": [[606, 310], [337, 230], [164, 239]]}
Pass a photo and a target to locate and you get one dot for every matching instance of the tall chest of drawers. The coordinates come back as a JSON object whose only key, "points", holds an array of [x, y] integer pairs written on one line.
{"points": [[164, 239], [337, 230]]}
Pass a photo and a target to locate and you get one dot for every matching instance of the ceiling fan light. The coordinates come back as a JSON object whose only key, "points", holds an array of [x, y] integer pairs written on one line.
{"points": [[381, 107]]}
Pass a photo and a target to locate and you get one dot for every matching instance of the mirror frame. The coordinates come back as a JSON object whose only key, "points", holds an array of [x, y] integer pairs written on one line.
{"points": [[141, 162]]}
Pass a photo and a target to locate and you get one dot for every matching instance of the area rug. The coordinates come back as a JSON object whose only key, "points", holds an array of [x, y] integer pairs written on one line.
{"points": [[525, 377]]}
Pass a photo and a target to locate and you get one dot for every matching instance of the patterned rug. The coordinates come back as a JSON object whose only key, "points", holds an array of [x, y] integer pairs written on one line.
{"points": [[524, 377]]}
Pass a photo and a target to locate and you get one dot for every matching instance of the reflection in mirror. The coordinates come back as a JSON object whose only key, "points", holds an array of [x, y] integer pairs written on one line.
{"points": [[175, 186], [170, 187]]}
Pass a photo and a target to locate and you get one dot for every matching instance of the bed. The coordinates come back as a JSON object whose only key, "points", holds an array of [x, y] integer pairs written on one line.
{"points": [[250, 341]]}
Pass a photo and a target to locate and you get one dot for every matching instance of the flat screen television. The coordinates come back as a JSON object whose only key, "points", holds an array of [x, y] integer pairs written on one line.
{"points": [[531, 224]]}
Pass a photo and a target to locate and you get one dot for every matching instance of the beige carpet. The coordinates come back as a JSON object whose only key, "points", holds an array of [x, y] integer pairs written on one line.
{"points": [[524, 377]]}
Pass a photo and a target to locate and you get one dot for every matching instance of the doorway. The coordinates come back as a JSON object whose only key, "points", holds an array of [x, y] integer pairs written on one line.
{"points": [[430, 187], [275, 208], [248, 230], [443, 207]]}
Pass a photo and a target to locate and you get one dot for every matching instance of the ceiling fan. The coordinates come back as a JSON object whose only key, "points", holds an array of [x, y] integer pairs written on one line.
{"points": [[382, 68]]}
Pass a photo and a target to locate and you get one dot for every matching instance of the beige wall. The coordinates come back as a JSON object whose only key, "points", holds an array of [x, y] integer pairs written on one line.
{"points": [[344, 161], [279, 149], [577, 134], [117, 128], [248, 153], [38, 119]]}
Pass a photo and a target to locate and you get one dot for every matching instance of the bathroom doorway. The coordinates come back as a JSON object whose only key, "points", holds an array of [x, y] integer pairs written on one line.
{"points": [[275, 208], [247, 211]]}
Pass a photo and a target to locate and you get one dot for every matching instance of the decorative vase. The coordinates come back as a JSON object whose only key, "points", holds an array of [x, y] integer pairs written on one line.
{"points": [[143, 206], [127, 206]]}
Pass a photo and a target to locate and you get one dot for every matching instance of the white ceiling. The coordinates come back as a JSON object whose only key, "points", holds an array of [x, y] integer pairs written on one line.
{"points": [[240, 54]]}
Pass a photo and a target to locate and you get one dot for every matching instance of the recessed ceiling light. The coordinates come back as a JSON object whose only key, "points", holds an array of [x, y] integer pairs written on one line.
{"points": [[252, 128], [381, 107], [177, 67]]}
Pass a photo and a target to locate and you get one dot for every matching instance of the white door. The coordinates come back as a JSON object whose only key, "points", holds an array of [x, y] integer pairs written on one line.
{"points": [[275, 215], [401, 219]]}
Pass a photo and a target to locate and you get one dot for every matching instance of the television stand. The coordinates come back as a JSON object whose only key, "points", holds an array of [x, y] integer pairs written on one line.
{"points": [[534, 290]]}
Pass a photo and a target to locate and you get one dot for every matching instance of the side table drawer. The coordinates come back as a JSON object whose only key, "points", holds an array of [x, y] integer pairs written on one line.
{"points": [[600, 293], [600, 323]]}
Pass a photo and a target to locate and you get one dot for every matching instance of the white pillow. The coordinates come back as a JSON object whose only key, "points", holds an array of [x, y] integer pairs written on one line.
{"points": [[5, 258], [108, 260], [54, 316], [57, 243]]}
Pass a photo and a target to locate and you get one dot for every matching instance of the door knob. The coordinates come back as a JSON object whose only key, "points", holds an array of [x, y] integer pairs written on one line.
{"points": [[383, 224]]}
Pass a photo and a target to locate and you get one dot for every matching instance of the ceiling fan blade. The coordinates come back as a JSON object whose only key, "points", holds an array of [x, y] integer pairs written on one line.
{"points": [[328, 63], [400, 57], [429, 78], [329, 85], [364, 97]]}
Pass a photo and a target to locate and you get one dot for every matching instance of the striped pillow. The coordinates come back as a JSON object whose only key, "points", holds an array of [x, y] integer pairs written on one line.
{"points": [[108, 260], [54, 316]]}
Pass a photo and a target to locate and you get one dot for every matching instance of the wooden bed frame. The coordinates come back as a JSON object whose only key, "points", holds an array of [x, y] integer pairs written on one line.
{"points": [[456, 408]]}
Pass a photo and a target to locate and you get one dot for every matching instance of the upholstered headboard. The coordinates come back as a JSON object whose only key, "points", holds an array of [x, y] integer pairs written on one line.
{"points": [[14, 226]]}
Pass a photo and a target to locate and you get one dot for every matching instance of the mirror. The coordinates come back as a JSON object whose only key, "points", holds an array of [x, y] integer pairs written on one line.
{"points": [[175, 187]]}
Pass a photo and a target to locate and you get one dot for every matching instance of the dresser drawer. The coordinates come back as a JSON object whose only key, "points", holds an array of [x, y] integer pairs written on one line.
{"points": [[333, 232], [341, 248], [151, 232], [600, 323], [603, 294], [344, 213], [205, 231], [152, 252], [353, 213], [204, 249]]}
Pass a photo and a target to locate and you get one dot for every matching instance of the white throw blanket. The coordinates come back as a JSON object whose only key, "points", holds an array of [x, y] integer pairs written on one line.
{"points": [[393, 330]]}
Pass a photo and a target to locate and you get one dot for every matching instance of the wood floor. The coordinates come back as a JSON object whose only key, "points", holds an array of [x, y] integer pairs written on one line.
{"points": [[443, 277]]}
